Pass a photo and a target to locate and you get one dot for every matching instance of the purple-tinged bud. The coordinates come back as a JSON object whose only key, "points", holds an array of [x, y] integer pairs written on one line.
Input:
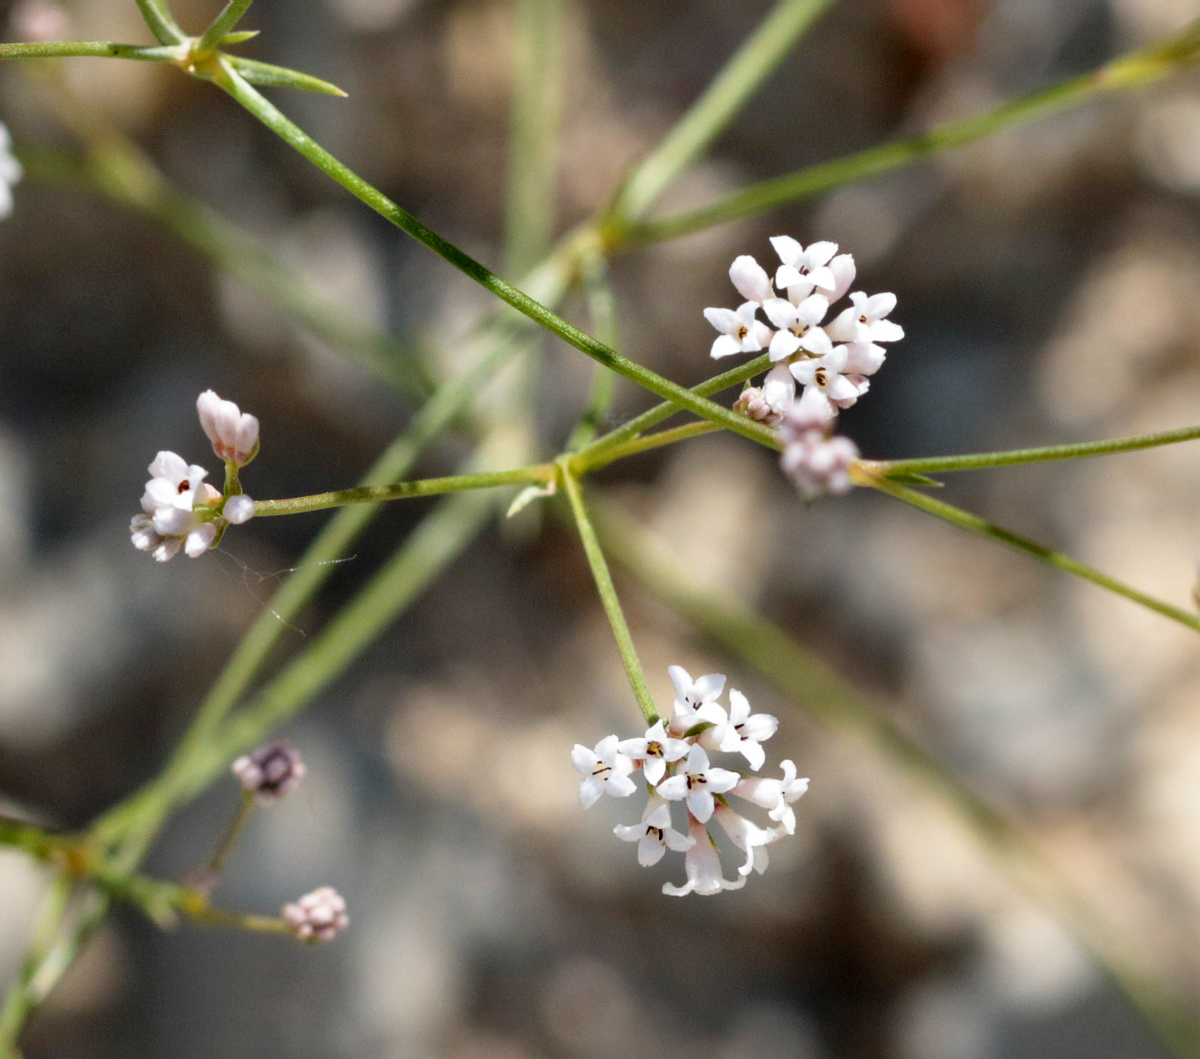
{"points": [[270, 772]]}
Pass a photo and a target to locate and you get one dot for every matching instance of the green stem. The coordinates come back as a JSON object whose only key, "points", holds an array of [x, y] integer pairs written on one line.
{"points": [[596, 454], [654, 441], [229, 17], [220, 917], [543, 473], [270, 116], [1135, 69], [608, 595], [978, 461], [97, 48], [158, 17], [725, 97], [861, 474], [54, 948], [819, 691], [232, 834]]}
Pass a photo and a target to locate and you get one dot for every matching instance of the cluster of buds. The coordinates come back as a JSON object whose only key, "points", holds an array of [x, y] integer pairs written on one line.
{"points": [[180, 510], [674, 760], [271, 772], [318, 916], [833, 361]]}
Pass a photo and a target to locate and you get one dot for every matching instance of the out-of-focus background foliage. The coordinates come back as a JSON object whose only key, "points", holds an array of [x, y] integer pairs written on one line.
{"points": [[1049, 283]]}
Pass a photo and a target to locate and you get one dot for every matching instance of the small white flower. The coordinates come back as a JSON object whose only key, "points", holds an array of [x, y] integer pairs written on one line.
{"points": [[654, 835], [804, 270], [741, 331], [606, 771], [697, 783], [696, 700], [238, 509], [654, 751], [775, 795], [744, 732], [169, 520], [748, 837], [174, 490], [866, 320], [703, 867], [233, 433], [10, 171], [798, 326], [751, 279], [826, 374], [779, 388]]}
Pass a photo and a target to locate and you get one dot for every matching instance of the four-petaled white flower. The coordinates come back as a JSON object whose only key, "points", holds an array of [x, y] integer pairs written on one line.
{"points": [[703, 867], [740, 331], [233, 433], [776, 796], [826, 374], [697, 783], [866, 320], [804, 270], [696, 700], [10, 171], [654, 835], [606, 771], [798, 326], [744, 732], [654, 751]]}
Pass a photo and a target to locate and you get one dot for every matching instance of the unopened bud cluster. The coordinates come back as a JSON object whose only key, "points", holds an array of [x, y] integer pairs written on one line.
{"points": [[318, 916], [180, 510], [674, 761], [833, 361], [271, 772]]}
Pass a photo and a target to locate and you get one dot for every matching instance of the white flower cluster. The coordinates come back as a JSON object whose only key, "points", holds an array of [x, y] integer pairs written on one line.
{"points": [[832, 361], [674, 761], [182, 511]]}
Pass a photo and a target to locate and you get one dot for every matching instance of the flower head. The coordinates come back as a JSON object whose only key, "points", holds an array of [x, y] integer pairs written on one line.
{"points": [[233, 433], [170, 519], [318, 916], [270, 772], [675, 760]]}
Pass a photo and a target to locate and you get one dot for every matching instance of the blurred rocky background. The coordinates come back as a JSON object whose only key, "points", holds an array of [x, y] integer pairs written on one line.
{"points": [[1049, 284]]}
